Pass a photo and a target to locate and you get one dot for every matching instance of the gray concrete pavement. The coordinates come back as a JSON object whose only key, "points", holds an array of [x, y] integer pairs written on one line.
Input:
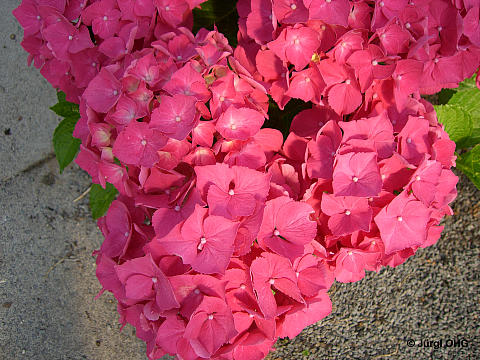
{"points": [[26, 123]]}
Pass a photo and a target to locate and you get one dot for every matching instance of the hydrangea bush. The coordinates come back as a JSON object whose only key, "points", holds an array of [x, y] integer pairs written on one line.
{"points": [[249, 178]]}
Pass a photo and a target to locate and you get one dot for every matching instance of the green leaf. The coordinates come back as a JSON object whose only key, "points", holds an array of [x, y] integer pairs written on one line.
{"points": [[469, 164], [458, 123], [468, 83], [100, 199], [64, 108], [222, 13], [64, 144], [469, 100]]}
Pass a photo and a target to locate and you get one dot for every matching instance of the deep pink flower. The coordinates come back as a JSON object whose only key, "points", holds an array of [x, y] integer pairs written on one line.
{"points": [[65, 39], [138, 144], [345, 97], [232, 192], [296, 45], [287, 227], [357, 175], [378, 129], [347, 213], [330, 11], [260, 21], [301, 316], [322, 151], [290, 11], [239, 123], [210, 326], [272, 270], [173, 12], [175, 116], [350, 264], [205, 242], [312, 275], [403, 223], [143, 280], [103, 91]]}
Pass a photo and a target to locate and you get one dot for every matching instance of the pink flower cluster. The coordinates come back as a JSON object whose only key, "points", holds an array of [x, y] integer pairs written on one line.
{"points": [[224, 237]]}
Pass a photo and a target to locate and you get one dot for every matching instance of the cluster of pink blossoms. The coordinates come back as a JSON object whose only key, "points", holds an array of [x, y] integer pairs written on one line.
{"points": [[224, 237]]}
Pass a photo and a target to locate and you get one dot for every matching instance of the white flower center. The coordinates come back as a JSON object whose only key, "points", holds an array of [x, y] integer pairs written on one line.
{"points": [[178, 118], [167, 8], [271, 281], [221, 98], [355, 179], [276, 232], [417, 178], [154, 280], [115, 92], [399, 218], [381, 4], [407, 25], [409, 140], [203, 241], [231, 192], [347, 212], [374, 62], [350, 253], [177, 208], [347, 82], [144, 142], [196, 291], [105, 18], [293, 6], [243, 287], [126, 234], [70, 37], [210, 317]]}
